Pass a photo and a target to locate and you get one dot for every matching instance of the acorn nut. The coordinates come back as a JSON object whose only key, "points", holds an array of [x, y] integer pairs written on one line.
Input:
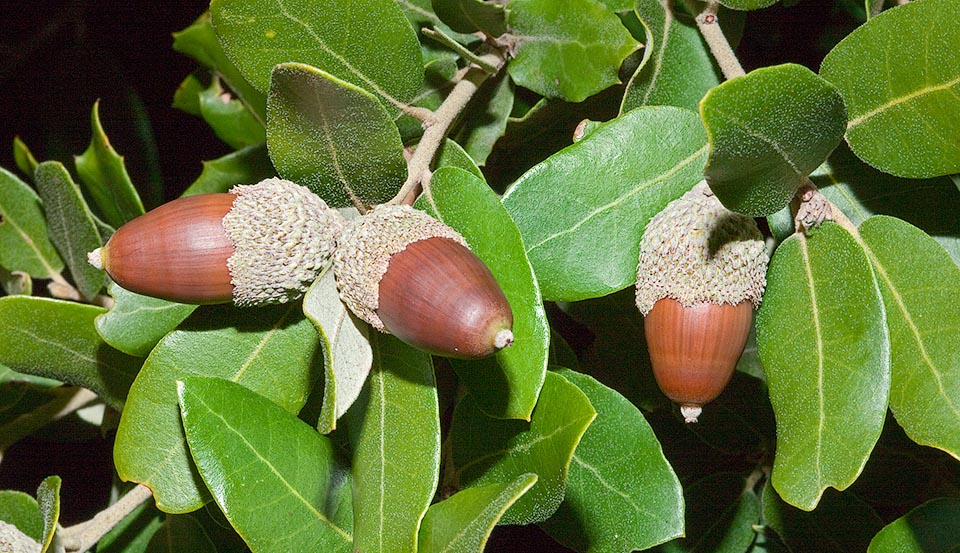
{"points": [[258, 244], [701, 273], [412, 276]]}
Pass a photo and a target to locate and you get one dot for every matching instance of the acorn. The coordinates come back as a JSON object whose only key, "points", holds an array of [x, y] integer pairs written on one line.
{"points": [[412, 276], [258, 244], [701, 274]]}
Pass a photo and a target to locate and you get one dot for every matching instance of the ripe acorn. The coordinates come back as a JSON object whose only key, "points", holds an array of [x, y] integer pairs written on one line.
{"points": [[412, 276], [258, 244], [701, 274]]}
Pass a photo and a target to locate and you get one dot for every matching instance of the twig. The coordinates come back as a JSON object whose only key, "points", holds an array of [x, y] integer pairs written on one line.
{"points": [[81, 537], [709, 25], [446, 40], [435, 129]]}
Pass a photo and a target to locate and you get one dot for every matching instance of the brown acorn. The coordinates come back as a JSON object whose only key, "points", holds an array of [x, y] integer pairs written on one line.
{"points": [[258, 244], [701, 273], [410, 275]]}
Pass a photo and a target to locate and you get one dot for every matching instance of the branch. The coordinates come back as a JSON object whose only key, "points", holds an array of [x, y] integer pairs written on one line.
{"points": [[438, 125], [709, 25], [81, 537]]}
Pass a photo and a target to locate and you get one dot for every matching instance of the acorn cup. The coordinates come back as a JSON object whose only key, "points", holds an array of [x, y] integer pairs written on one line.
{"points": [[409, 275], [701, 274], [258, 244]]}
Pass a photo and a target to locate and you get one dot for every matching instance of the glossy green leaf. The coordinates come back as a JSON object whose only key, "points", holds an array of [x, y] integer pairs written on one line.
{"points": [[103, 173], [720, 516], [24, 242], [841, 523], [136, 323], [582, 211], [929, 528], [48, 499], [505, 385], [332, 137], [72, 350], [23, 157], [453, 155], [180, 533], [199, 41], [487, 118], [611, 503], [900, 80], [861, 191], [921, 293], [468, 16], [22, 511], [768, 131], [679, 69], [248, 166], [274, 477], [346, 348], [229, 117], [71, 225], [271, 350], [825, 349], [187, 96], [488, 451], [395, 437], [370, 45], [568, 49], [463, 521]]}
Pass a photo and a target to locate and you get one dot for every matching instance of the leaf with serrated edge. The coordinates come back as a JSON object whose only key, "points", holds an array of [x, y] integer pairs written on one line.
{"points": [[332, 137], [276, 480], [921, 294], [582, 211], [463, 521], [346, 348], [136, 323], [822, 338], [900, 78], [487, 450], [395, 436], [272, 350], [929, 528], [24, 242], [229, 117], [608, 504]]}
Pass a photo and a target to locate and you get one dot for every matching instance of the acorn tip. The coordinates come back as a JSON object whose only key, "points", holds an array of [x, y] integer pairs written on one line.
{"points": [[690, 412], [95, 258], [503, 338]]}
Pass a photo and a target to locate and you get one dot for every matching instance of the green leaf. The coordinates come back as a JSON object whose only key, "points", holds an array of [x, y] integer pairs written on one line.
{"points": [[272, 350], [332, 137], [370, 43], [505, 385], [463, 521], [825, 350], [486, 119], [582, 211], [679, 69], [248, 166], [187, 96], [136, 323], [921, 293], [900, 80], [568, 49], [103, 173], [606, 506], [768, 131], [23, 157], [488, 451], [56, 339], [346, 347], [929, 528], [48, 499], [720, 514], [71, 225], [22, 511], [468, 16], [395, 436], [199, 41], [133, 533], [24, 242], [452, 154], [179, 533], [840, 524], [748, 4], [229, 118], [277, 480], [439, 77]]}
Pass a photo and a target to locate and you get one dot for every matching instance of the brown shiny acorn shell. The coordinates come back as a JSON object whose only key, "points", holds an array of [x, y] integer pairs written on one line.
{"points": [[440, 297], [176, 252], [695, 349]]}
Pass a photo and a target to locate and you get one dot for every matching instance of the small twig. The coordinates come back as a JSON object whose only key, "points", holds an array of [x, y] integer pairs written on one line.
{"points": [[709, 25], [449, 42], [61, 289], [81, 537]]}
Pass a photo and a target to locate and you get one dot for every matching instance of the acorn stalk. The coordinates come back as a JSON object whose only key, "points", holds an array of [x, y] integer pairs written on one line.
{"points": [[701, 274]]}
